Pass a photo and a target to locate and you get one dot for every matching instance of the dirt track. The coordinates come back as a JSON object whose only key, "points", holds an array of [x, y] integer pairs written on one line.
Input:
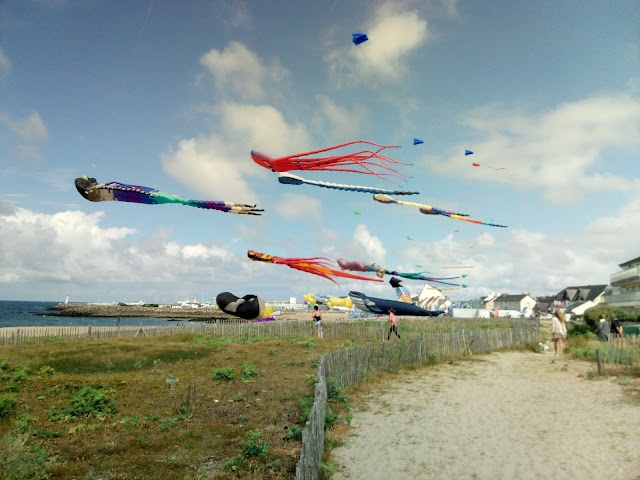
{"points": [[509, 416]]}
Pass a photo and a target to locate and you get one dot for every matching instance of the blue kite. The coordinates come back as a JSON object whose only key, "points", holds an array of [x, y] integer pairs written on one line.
{"points": [[359, 38]]}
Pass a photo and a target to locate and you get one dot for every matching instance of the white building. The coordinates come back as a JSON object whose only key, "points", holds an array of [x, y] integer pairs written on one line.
{"points": [[624, 288], [430, 298]]}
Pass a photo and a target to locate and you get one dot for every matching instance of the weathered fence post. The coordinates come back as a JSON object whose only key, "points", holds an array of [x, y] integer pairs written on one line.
{"points": [[599, 362]]}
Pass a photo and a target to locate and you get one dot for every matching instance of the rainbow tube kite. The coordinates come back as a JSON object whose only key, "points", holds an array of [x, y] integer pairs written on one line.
{"points": [[429, 210], [357, 266], [93, 191]]}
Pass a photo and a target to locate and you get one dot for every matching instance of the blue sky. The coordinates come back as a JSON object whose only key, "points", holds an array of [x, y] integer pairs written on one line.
{"points": [[175, 95]]}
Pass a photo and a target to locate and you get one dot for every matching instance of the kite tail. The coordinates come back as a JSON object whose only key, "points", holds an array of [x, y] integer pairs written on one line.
{"points": [[230, 207], [473, 220], [437, 211], [342, 145], [321, 269]]}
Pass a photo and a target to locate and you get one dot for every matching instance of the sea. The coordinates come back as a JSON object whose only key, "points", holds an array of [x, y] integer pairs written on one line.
{"points": [[34, 314]]}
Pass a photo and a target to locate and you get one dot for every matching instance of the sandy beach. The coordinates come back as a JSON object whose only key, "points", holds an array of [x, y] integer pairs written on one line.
{"points": [[510, 415]]}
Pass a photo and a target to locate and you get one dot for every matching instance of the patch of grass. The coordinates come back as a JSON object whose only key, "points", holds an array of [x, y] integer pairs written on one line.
{"points": [[226, 374], [306, 403], [293, 432], [327, 470], [20, 460], [247, 372], [23, 423], [7, 404], [235, 463], [253, 445], [167, 423], [47, 371], [88, 400]]}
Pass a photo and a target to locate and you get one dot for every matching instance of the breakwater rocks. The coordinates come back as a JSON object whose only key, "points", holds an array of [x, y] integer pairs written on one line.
{"points": [[115, 310]]}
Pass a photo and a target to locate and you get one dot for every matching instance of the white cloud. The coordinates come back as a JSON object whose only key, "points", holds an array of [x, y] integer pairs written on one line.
{"points": [[212, 167], [557, 152], [31, 128], [263, 126], [394, 34], [239, 71], [340, 122], [204, 252], [60, 247], [219, 163], [71, 252], [234, 13], [294, 205], [369, 246], [5, 63]]}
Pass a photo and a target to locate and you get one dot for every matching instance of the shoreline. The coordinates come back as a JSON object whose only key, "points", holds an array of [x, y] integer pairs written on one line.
{"points": [[197, 314], [132, 311]]}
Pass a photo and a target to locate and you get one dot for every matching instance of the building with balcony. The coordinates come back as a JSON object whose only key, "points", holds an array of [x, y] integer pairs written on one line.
{"points": [[624, 287]]}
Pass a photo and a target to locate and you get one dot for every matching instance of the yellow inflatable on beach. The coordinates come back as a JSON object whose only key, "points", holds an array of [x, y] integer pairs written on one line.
{"points": [[329, 301]]}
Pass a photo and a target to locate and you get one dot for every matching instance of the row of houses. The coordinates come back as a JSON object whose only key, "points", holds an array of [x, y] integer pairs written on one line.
{"points": [[623, 291]]}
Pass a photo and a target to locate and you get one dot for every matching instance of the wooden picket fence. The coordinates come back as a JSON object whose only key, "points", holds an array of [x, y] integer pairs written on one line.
{"points": [[368, 330], [621, 353]]}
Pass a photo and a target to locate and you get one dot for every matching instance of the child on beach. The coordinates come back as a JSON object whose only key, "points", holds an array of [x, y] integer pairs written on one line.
{"points": [[317, 321], [393, 324]]}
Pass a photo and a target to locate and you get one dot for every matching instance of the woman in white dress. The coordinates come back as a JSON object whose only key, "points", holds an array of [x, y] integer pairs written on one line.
{"points": [[558, 332]]}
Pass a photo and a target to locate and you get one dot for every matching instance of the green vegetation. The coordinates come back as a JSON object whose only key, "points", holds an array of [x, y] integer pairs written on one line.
{"points": [[223, 374], [20, 460], [592, 315], [177, 406]]}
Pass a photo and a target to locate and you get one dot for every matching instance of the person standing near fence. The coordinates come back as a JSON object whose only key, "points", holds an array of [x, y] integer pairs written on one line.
{"points": [[616, 331], [317, 321], [602, 329], [393, 324], [558, 332]]}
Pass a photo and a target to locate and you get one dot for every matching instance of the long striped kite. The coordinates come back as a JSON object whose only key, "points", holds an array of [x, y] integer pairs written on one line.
{"points": [[430, 210]]}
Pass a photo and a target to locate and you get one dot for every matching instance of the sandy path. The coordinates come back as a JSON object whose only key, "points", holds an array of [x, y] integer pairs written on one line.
{"points": [[503, 417]]}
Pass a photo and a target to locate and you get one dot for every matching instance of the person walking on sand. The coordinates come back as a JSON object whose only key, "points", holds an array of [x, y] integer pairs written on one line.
{"points": [[393, 324], [558, 332], [317, 321]]}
